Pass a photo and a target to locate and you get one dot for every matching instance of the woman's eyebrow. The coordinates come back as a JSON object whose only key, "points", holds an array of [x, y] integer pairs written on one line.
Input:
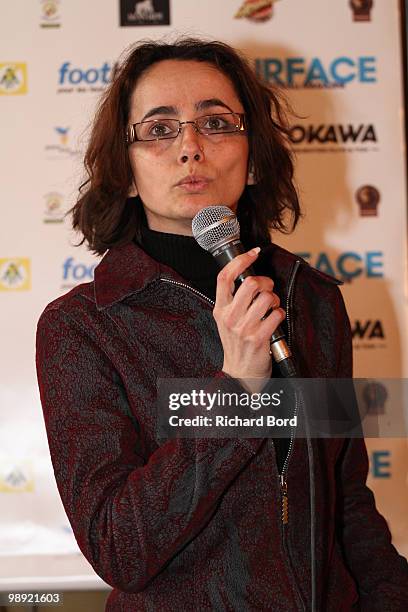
{"points": [[205, 104], [173, 110], [160, 110]]}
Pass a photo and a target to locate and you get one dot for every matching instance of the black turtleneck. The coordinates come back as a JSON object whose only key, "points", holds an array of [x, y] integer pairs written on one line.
{"points": [[185, 256]]}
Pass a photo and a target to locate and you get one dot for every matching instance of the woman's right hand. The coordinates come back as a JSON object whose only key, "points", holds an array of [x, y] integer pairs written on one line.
{"points": [[244, 334]]}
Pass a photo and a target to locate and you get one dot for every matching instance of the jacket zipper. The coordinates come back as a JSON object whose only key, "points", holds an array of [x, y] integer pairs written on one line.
{"points": [[282, 475], [289, 299], [173, 282]]}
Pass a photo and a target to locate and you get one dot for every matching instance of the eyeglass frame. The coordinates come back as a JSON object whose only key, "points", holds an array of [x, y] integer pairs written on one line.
{"points": [[131, 136]]}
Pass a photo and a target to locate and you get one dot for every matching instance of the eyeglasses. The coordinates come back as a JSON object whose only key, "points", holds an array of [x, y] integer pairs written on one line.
{"points": [[162, 129]]}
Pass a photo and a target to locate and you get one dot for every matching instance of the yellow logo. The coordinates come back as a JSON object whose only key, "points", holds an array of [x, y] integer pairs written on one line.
{"points": [[13, 78], [255, 10], [16, 477], [15, 274]]}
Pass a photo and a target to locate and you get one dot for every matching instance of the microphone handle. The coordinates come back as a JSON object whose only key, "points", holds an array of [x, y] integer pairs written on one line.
{"points": [[279, 349]]}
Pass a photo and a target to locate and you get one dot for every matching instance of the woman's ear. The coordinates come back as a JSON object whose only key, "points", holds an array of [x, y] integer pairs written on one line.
{"points": [[251, 178], [132, 190]]}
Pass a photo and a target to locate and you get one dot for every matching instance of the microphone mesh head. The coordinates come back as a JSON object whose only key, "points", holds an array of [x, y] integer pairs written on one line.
{"points": [[214, 225]]}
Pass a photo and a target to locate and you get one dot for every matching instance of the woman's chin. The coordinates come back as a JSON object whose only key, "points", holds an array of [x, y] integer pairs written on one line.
{"points": [[193, 206]]}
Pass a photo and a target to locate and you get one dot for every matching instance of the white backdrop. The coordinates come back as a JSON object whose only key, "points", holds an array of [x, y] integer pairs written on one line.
{"points": [[342, 70]]}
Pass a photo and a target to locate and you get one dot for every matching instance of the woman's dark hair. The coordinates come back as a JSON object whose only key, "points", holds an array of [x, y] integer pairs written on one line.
{"points": [[103, 212]]}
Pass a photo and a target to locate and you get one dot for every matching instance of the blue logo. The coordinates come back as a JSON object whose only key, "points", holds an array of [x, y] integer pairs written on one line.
{"points": [[84, 79], [62, 146], [77, 272], [63, 134], [299, 72], [380, 464], [349, 265]]}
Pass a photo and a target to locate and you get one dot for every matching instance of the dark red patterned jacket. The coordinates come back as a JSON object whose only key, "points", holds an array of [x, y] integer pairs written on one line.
{"points": [[196, 524]]}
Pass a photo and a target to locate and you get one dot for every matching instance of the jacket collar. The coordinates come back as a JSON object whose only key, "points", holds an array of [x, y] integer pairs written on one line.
{"points": [[128, 269], [124, 270]]}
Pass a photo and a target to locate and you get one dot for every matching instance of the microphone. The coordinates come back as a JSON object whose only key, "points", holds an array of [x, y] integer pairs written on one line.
{"points": [[216, 229]]}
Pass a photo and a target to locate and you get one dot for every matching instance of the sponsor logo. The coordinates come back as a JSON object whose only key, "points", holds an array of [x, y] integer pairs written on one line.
{"points": [[15, 274], [13, 78], [84, 80], [368, 334], [333, 138], [62, 147], [380, 464], [348, 265], [375, 395], [50, 17], [300, 72], [368, 198], [361, 9], [144, 12], [16, 477], [255, 10], [74, 272], [53, 209]]}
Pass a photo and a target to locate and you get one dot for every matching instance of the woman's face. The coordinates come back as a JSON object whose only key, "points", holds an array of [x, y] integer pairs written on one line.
{"points": [[176, 178]]}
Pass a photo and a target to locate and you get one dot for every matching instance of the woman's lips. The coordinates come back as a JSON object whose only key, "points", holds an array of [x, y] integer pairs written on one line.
{"points": [[194, 184]]}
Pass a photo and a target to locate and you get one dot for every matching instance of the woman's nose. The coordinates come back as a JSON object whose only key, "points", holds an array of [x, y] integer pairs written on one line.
{"points": [[190, 144]]}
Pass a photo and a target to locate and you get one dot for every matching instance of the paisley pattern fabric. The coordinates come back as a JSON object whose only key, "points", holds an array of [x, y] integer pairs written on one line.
{"points": [[196, 524]]}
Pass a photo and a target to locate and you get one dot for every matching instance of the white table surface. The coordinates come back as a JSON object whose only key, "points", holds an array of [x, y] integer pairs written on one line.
{"points": [[45, 572]]}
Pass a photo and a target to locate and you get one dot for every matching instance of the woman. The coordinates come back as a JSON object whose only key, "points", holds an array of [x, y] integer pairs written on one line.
{"points": [[197, 524]]}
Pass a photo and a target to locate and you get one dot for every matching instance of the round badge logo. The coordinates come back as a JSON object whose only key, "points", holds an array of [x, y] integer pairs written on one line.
{"points": [[368, 198]]}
